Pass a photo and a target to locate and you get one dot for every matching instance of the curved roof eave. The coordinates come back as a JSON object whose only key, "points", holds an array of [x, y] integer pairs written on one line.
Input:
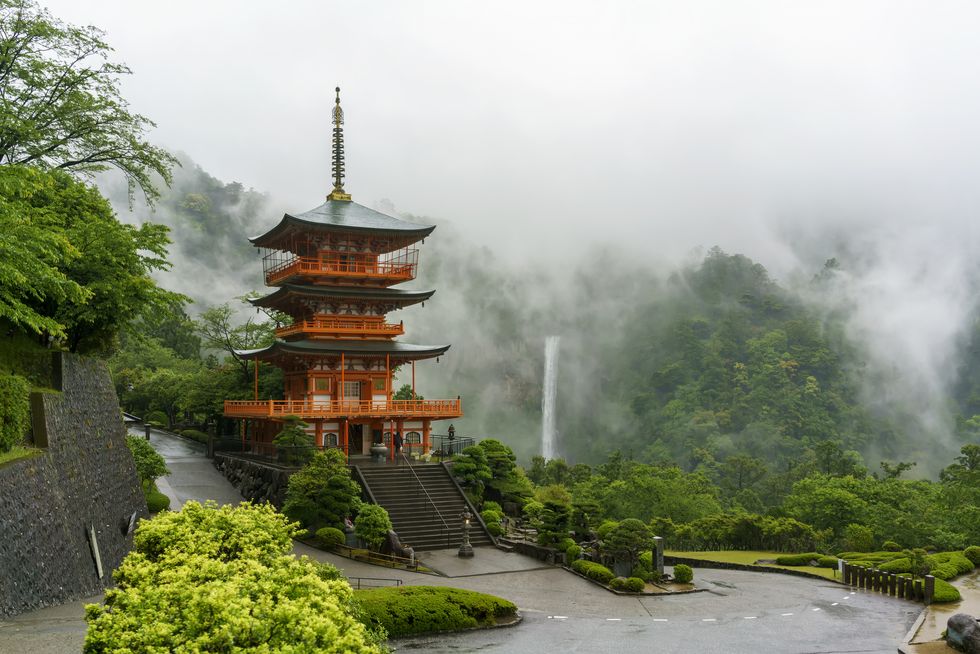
{"points": [[346, 292], [344, 216], [352, 348]]}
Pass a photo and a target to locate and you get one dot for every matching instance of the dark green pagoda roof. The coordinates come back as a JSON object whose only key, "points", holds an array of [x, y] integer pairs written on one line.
{"points": [[402, 351], [397, 296], [343, 216]]}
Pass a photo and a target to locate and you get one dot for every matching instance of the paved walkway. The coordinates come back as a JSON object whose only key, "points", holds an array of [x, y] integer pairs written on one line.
{"points": [[741, 612]]}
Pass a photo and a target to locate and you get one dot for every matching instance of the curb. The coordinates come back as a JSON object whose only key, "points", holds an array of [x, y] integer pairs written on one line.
{"points": [[913, 631], [628, 594], [518, 619]]}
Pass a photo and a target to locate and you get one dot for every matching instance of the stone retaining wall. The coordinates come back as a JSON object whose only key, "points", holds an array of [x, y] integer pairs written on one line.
{"points": [[84, 479], [256, 481]]}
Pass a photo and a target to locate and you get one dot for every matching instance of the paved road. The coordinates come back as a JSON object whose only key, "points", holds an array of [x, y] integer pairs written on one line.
{"points": [[740, 612]]}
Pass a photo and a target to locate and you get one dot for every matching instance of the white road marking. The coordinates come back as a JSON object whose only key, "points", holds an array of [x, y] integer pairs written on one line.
{"points": [[660, 619], [835, 603], [613, 619], [750, 617], [816, 608], [785, 614], [560, 617], [709, 619]]}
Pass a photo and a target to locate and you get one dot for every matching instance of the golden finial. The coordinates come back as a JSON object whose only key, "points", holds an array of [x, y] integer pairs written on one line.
{"points": [[338, 192]]}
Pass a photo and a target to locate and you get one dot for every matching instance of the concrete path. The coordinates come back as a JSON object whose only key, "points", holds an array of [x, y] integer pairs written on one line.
{"points": [[741, 612]]}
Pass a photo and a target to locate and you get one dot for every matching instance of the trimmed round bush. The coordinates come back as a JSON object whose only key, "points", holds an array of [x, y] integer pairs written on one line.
{"points": [[683, 574], [495, 529], [891, 546], [635, 585], [330, 537], [897, 565], [607, 526], [564, 544], [827, 562], [490, 505], [973, 554], [619, 583], [593, 570], [573, 552], [156, 501], [945, 592]]}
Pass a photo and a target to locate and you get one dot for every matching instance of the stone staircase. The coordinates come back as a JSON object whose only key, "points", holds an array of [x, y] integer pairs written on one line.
{"points": [[415, 519]]}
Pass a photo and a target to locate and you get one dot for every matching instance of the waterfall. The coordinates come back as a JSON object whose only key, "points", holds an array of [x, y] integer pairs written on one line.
{"points": [[549, 396]]}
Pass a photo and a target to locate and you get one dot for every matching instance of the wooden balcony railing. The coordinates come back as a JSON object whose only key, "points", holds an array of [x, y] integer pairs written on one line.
{"points": [[344, 408], [342, 328], [316, 267]]}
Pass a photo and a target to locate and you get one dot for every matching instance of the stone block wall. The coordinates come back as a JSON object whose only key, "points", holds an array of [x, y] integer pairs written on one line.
{"points": [[256, 481], [85, 478]]}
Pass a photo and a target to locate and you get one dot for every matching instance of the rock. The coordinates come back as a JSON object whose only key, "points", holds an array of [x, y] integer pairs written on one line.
{"points": [[963, 632]]}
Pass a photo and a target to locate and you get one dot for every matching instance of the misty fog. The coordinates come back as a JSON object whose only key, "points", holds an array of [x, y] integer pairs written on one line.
{"points": [[558, 142]]}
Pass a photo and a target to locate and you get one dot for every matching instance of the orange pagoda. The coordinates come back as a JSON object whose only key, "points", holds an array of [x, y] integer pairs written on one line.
{"points": [[334, 268]]}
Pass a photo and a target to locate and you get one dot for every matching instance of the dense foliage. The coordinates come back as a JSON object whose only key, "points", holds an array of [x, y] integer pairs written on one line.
{"points": [[322, 493], [372, 525], [222, 579], [60, 101], [72, 271], [14, 410], [407, 610], [149, 463]]}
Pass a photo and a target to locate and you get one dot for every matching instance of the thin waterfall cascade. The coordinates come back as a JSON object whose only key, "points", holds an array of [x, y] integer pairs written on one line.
{"points": [[549, 397]]}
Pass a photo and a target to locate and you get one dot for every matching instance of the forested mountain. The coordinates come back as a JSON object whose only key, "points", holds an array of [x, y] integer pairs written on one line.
{"points": [[713, 360]]}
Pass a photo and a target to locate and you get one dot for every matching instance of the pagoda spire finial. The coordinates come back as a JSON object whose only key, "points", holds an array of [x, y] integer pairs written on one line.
{"points": [[338, 192]]}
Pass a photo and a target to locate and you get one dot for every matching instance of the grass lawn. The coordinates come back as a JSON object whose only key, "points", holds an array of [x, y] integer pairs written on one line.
{"points": [[750, 557], [18, 452]]}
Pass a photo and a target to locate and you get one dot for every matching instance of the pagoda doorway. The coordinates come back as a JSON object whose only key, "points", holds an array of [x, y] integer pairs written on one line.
{"points": [[356, 439]]}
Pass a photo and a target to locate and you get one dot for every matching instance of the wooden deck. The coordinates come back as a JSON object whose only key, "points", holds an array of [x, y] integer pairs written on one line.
{"points": [[385, 410]]}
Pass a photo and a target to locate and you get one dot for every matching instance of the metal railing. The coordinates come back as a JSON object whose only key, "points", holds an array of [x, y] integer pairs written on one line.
{"points": [[358, 583], [377, 558], [445, 525], [349, 408], [444, 446], [342, 327]]}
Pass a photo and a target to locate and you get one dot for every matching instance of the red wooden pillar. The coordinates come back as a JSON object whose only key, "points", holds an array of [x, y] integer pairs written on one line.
{"points": [[346, 451], [426, 429], [319, 433]]}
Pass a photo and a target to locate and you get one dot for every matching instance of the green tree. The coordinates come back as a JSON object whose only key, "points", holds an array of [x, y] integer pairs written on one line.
{"points": [[472, 470], [322, 494], [294, 444], [552, 523], [628, 540], [405, 393], [60, 101], [149, 463], [219, 330], [372, 525]]}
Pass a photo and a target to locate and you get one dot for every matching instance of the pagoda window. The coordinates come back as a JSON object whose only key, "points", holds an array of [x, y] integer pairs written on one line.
{"points": [[352, 390], [413, 438], [330, 440], [323, 384]]}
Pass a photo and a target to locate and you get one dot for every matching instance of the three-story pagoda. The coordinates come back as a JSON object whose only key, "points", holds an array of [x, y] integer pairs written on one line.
{"points": [[335, 267]]}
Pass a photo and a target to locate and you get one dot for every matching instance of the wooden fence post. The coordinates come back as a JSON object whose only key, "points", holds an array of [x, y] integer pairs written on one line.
{"points": [[929, 589]]}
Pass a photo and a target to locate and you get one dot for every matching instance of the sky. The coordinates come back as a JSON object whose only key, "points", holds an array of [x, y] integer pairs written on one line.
{"points": [[788, 131], [544, 127]]}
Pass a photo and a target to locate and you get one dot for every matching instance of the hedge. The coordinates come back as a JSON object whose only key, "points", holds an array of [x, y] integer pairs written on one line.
{"points": [[798, 559], [619, 583], [156, 501], [195, 434], [330, 536], [945, 592], [407, 610], [827, 562], [891, 546], [635, 585], [15, 412], [573, 552], [897, 565], [973, 553], [593, 570]]}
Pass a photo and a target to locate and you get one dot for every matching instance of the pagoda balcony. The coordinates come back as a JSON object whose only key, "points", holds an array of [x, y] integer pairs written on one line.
{"points": [[313, 410], [387, 272], [342, 329]]}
